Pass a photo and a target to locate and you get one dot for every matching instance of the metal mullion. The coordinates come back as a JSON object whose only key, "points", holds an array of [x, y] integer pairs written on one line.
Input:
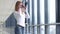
{"points": [[46, 16], [32, 17], [38, 16]]}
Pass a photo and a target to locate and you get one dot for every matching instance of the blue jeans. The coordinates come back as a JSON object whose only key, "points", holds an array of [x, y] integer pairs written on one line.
{"points": [[19, 30]]}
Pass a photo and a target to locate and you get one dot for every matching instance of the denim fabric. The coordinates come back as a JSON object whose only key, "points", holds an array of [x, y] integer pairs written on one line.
{"points": [[11, 21], [19, 30]]}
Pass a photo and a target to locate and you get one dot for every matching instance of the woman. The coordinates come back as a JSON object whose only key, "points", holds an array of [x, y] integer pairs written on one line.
{"points": [[20, 16]]}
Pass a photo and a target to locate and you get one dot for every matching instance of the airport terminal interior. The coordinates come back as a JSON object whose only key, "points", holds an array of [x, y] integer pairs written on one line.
{"points": [[44, 17]]}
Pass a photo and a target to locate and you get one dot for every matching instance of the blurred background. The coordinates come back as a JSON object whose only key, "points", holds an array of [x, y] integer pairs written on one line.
{"points": [[44, 17]]}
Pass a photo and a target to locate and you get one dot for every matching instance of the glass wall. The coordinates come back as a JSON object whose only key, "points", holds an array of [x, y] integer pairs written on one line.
{"points": [[41, 12]]}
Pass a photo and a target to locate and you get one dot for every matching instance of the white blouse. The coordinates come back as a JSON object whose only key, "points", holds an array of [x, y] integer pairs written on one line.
{"points": [[21, 18]]}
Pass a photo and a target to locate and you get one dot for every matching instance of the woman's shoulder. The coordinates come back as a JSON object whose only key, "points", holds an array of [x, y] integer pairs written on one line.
{"points": [[15, 12]]}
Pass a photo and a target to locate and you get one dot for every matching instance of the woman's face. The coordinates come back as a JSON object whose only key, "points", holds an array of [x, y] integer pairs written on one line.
{"points": [[22, 7]]}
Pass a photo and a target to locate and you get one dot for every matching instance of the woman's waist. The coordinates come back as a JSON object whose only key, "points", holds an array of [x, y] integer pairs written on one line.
{"points": [[19, 25], [21, 21], [23, 25]]}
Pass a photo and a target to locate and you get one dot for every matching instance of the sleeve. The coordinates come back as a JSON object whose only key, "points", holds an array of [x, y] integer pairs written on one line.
{"points": [[16, 15], [27, 15]]}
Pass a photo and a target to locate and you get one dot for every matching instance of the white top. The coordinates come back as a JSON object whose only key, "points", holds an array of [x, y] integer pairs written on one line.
{"points": [[20, 18]]}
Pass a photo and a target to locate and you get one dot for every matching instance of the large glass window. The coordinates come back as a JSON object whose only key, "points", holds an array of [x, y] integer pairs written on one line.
{"points": [[42, 13], [52, 16]]}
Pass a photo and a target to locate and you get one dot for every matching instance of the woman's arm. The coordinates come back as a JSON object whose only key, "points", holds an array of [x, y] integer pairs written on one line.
{"points": [[27, 15]]}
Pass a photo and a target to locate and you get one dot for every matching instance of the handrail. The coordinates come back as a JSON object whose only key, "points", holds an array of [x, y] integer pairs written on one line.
{"points": [[40, 24], [44, 24]]}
